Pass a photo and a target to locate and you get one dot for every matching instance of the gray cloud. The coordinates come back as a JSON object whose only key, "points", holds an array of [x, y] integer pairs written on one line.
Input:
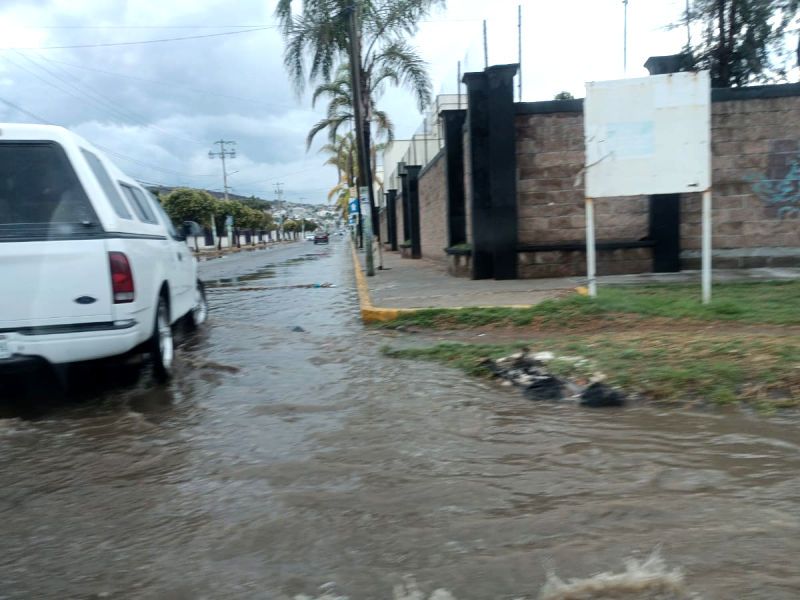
{"points": [[163, 105]]}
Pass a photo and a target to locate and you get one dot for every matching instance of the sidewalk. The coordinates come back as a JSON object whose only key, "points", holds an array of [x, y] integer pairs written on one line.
{"points": [[406, 284]]}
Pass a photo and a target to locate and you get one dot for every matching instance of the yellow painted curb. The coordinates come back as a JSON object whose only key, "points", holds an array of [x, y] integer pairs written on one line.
{"points": [[369, 313], [361, 282]]}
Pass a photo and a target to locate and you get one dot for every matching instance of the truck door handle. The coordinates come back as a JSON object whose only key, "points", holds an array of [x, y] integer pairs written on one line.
{"points": [[180, 256]]}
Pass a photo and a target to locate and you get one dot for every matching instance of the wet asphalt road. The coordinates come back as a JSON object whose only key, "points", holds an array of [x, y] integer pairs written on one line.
{"points": [[281, 462]]}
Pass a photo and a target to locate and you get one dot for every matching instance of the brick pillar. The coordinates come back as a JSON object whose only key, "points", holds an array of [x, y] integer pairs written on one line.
{"points": [[454, 174], [412, 172]]}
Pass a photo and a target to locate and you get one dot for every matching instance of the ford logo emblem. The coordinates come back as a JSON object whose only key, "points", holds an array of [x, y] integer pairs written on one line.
{"points": [[85, 300]]}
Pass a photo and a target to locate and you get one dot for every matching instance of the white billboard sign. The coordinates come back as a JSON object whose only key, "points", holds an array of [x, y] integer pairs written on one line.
{"points": [[649, 135]]}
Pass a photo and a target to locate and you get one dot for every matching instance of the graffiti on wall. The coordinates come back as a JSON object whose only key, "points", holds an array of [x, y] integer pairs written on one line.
{"points": [[779, 187]]}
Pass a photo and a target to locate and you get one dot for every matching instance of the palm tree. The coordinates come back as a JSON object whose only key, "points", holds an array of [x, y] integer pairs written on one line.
{"points": [[340, 108], [318, 35], [342, 155]]}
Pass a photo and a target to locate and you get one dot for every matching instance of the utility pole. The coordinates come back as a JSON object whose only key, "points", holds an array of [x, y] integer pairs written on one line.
{"points": [[365, 172], [688, 28], [625, 39], [519, 50], [485, 47], [223, 154], [279, 202], [303, 224]]}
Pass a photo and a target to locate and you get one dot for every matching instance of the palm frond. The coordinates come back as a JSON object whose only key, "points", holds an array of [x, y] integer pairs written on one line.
{"points": [[383, 125], [408, 67]]}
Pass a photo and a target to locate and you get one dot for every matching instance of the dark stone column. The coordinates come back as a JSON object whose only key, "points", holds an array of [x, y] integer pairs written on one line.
{"points": [[404, 204], [391, 219], [665, 209], [503, 169], [478, 155], [454, 173], [665, 231], [412, 178]]}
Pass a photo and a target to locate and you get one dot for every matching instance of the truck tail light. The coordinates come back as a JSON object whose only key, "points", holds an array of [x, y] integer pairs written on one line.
{"points": [[121, 278]]}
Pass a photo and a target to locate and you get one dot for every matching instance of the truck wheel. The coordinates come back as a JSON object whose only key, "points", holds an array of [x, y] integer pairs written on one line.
{"points": [[199, 314], [162, 349]]}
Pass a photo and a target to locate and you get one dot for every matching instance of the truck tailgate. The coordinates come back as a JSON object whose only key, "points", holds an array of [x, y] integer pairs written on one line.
{"points": [[54, 283]]}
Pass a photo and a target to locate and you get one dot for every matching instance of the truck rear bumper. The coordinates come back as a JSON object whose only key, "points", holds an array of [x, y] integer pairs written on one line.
{"points": [[69, 343]]}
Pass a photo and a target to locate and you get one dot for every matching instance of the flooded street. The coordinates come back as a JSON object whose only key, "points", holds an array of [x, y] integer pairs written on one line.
{"points": [[289, 457]]}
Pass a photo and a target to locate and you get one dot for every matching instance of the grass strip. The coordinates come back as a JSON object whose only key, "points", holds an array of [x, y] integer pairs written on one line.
{"points": [[765, 302]]}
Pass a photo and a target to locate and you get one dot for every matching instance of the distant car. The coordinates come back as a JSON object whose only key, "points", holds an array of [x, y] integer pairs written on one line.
{"points": [[310, 237], [91, 266], [321, 237]]}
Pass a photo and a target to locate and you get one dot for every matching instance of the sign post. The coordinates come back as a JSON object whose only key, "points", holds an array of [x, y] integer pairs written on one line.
{"points": [[706, 244], [648, 136], [591, 261], [366, 223]]}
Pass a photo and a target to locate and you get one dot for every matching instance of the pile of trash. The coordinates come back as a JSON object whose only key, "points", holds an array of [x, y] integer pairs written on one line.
{"points": [[528, 370]]}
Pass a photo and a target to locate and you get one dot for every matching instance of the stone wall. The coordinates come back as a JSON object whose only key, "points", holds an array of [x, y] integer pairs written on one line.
{"points": [[755, 143], [550, 160], [433, 209]]}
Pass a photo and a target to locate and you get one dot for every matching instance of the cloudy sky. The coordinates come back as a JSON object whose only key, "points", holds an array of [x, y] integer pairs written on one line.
{"points": [[157, 108]]}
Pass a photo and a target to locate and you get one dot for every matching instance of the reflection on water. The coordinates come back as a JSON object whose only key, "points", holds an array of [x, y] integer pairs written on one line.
{"points": [[279, 464]]}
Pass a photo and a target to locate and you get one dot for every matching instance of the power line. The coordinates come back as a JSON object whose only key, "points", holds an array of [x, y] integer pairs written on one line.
{"points": [[103, 103], [158, 41], [152, 166], [253, 26], [25, 112], [103, 148], [164, 82], [279, 177]]}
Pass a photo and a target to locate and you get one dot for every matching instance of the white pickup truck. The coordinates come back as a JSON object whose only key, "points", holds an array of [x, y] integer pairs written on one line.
{"points": [[90, 265]]}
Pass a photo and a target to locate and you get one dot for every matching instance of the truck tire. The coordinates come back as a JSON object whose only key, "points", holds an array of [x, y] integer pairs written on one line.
{"points": [[199, 314], [162, 349]]}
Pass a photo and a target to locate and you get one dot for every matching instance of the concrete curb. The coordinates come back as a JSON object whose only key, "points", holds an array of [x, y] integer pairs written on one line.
{"points": [[370, 313]]}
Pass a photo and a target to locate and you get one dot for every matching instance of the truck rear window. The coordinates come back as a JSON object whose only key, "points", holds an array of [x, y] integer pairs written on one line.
{"points": [[39, 187]]}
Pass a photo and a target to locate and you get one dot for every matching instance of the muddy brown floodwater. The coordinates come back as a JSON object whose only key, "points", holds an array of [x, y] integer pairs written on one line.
{"points": [[280, 463]]}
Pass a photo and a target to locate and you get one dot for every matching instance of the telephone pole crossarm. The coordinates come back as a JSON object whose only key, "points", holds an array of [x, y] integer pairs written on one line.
{"points": [[224, 153]]}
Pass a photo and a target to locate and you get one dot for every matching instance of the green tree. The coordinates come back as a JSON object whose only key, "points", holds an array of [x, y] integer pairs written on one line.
{"points": [[564, 96], [184, 204], [743, 41]]}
